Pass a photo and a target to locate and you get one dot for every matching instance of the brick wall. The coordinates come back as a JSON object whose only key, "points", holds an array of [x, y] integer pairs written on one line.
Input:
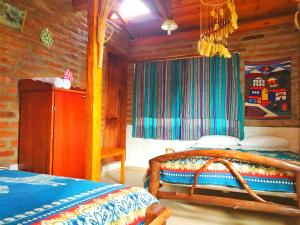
{"points": [[264, 44], [23, 56]]}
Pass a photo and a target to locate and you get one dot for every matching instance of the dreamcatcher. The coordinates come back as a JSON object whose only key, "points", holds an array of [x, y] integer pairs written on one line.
{"points": [[218, 19]]}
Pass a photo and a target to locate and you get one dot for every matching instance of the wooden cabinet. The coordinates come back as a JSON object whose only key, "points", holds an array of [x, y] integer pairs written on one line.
{"points": [[51, 129]]}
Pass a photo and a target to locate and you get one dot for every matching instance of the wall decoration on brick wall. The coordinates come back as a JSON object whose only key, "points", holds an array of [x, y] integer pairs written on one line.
{"points": [[11, 15], [268, 89], [46, 38]]}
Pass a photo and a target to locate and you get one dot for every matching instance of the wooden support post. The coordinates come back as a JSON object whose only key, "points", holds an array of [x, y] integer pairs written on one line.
{"points": [[154, 177], [94, 96]]}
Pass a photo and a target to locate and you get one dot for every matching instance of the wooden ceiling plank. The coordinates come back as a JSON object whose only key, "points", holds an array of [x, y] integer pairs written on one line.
{"points": [[154, 9], [79, 5], [162, 9], [194, 34]]}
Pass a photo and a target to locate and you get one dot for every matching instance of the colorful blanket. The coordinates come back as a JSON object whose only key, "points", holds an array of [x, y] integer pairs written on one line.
{"points": [[30, 198], [258, 177]]}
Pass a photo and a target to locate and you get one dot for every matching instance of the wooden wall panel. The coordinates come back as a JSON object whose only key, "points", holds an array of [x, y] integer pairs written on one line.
{"points": [[115, 103], [275, 42]]}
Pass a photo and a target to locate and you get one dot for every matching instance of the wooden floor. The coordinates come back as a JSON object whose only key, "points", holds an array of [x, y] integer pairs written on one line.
{"points": [[195, 214]]}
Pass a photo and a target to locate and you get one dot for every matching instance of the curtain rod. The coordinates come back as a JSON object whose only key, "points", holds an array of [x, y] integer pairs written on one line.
{"points": [[172, 57]]}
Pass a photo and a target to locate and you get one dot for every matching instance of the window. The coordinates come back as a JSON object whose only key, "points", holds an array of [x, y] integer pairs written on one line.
{"points": [[132, 9]]}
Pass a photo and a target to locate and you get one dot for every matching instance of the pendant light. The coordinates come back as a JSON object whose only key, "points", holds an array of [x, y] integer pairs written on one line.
{"points": [[169, 24]]}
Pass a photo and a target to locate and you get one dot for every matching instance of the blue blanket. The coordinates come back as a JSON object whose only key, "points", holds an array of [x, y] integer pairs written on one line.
{"points": [[258, 177], [29, 198]]}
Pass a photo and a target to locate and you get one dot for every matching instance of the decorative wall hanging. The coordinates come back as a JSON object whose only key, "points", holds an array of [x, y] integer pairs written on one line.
{"points": [[46, 38], [218, 19], [11, 16], [268, 89]]}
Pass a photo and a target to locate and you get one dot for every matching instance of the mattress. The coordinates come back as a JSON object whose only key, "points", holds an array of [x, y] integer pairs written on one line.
{"points": [[258, 177], [30, 198]]}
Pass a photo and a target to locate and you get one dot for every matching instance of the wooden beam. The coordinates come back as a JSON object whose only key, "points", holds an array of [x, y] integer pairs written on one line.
{"points": [[152, 8], [265, 22], [94, 96], [126, 25], [158, 8], [163, 11], [194, 34], [79, 5]]}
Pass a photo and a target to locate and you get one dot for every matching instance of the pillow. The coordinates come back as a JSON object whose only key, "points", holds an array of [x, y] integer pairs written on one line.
{"points": [[263, 148], [216, 141], [265, 141]]}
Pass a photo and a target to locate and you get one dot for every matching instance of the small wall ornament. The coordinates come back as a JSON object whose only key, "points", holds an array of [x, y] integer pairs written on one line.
{"points": [[46, 38], [68, 75]]}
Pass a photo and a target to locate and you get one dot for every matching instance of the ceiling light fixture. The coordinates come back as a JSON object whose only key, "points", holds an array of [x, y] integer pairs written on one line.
{"points": [[169, 24]]}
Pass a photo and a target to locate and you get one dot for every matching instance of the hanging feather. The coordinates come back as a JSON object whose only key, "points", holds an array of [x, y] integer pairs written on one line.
{"points": [[222, 21]]}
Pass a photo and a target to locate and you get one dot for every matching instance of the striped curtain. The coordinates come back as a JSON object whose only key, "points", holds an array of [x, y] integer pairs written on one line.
{"points": [[187, 98]]}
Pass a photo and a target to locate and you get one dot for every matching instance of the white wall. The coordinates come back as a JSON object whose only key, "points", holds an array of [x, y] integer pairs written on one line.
{"points": [[139, 151]]}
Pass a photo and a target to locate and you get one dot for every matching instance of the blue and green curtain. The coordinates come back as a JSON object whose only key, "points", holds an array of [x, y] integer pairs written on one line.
{"points": [[188, 98]]}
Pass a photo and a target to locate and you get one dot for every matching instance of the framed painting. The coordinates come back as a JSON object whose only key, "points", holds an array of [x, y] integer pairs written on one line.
{"points": [[268, 89], [11, 16]]}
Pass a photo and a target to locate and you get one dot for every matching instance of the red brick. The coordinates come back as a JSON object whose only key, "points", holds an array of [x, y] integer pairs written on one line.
{"points": [[14, 124], [7, 114], [4, 124], [12, 90], [6, 153], [14, 143], [5, 80], [5, 133], [4, 70], [3, 106], [3, 49], [6, 98]]}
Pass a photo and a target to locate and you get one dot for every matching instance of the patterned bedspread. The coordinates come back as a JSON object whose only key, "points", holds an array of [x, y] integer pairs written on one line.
{"points": [[30, 198], [258, 177]]}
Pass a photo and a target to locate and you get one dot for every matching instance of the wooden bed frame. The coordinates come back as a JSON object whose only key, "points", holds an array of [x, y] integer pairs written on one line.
{"points": [[218, 155], [157, 214]]}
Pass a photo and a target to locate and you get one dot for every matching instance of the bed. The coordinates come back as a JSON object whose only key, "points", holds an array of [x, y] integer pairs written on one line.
{"points": [[235, 169], [30, 198]]}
